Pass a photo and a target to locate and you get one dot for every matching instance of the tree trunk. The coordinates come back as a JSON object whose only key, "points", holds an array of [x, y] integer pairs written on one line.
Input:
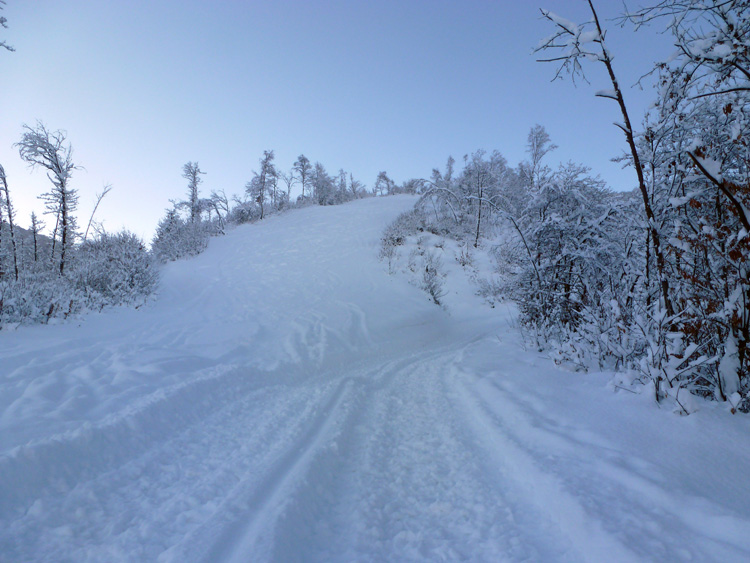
{"points": [[626, 127]]}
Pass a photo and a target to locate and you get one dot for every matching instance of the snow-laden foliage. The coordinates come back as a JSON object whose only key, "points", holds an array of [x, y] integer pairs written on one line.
{"points": [[673, 286], [179, 238], [578, 259], [114, 269], [51, 277], [111, 269]]}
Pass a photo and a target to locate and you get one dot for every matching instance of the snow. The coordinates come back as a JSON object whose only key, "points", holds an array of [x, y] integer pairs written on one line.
{"points": [[562, 22], [285, 399], [607, 93], [711, 166], [729, 367]]}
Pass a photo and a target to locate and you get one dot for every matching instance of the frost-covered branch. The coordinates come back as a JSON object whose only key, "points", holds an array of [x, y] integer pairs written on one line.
{"points": [[4, 25]]}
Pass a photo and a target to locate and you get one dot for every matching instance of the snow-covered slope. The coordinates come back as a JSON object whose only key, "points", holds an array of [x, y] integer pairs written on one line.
{"points": [[285, 399]]}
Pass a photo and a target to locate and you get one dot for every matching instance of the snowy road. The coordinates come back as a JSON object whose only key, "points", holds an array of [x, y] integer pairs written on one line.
{"points": [[284, 399]]}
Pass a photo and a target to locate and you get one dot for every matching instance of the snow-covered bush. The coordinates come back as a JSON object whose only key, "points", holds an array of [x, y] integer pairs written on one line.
{"points": [[395, 235], [243, 212], [37, 299], [177, 238], [433, 277], [683, 283], [406, 224], [114, 269]]}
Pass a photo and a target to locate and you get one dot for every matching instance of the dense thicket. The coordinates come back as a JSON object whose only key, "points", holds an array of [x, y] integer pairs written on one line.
{"points": [[685, 281], [655, 282]]}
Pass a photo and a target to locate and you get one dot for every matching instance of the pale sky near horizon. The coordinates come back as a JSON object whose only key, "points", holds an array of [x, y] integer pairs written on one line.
{"points": [[142, 87]]}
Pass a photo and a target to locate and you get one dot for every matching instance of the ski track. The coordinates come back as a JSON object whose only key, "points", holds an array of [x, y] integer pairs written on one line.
{"points": [[311, 408], [401, 481], [614, 488]]}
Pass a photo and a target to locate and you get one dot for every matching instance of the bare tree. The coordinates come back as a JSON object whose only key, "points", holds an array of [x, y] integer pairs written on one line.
{"points": [[42, 148], [220, 203], [36, 227], [356, 187], [99, 198], [289, 181]]}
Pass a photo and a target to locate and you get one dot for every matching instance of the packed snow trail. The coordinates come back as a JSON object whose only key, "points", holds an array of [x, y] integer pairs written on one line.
{"points": [[284, 399]]}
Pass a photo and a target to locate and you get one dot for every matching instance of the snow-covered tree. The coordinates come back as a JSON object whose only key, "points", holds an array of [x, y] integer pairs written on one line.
{"points": [[220, 204], [192, 173], [302, 171], [538, 145], [176, 238], [480, 184], [681, 302], [573, 45], [42, 148], [383, 184], [356, 188], [322, 186], [263, 183]]}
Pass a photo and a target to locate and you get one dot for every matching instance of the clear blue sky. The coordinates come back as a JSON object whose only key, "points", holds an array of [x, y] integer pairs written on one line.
{"points": [[142, 87]]}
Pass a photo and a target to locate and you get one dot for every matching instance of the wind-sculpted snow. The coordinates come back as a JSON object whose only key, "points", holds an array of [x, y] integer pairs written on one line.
{"points": [[285, 399]]}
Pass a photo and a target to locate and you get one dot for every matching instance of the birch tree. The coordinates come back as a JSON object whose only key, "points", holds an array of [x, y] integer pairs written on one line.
{"points": [[42, 148]]}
